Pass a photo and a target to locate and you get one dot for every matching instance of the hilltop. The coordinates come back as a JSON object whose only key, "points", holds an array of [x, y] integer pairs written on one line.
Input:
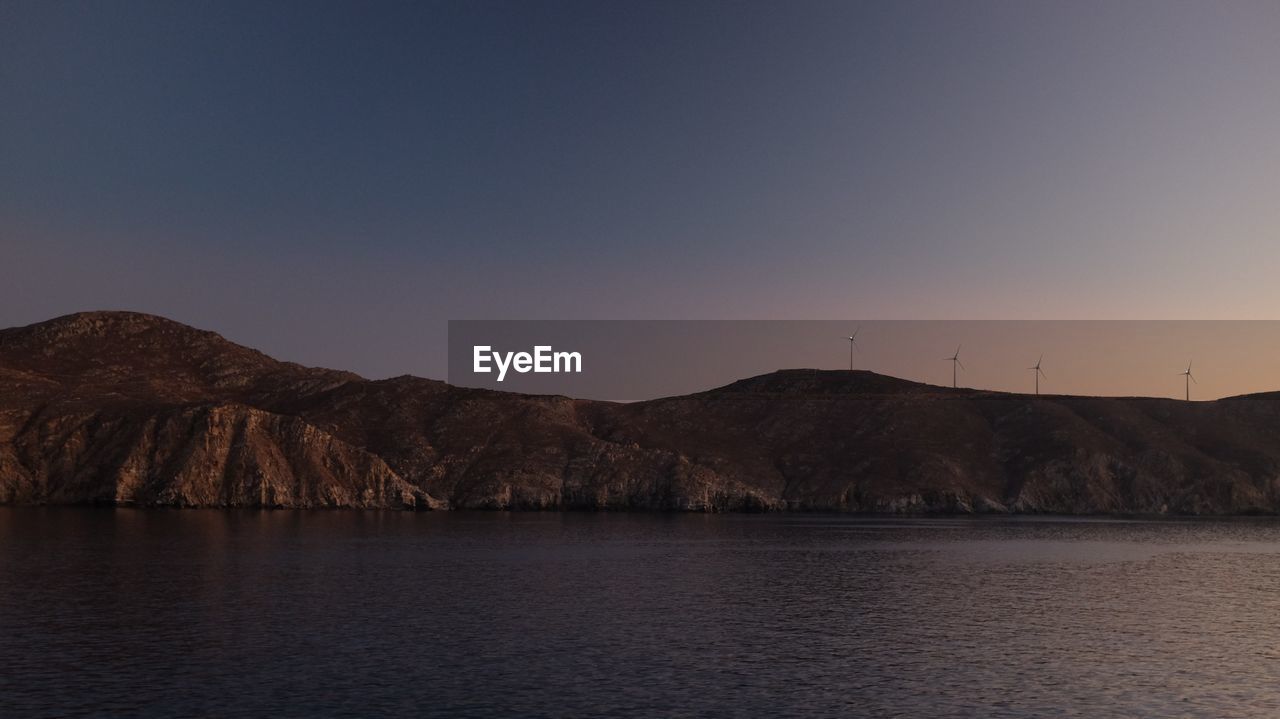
{"points": [[126, 408]]}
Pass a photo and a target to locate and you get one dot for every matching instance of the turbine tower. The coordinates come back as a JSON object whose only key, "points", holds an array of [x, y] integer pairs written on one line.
{"points": [[955, 362], [1189, 379], [1039, 373], [853, 342]]}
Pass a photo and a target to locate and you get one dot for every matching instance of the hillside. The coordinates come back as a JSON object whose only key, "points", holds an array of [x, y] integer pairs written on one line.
{"points": [[124, 408]]}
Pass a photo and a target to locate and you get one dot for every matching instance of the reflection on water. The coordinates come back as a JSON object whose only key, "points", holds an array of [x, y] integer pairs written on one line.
{"points": [[160, 612]]}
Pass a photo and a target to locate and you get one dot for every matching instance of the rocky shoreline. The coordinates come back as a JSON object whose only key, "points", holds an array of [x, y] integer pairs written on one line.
{"points": [[128, 409]]}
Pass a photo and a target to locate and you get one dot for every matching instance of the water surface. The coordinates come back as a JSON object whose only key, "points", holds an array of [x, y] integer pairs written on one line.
{"points": [[294, 613]]}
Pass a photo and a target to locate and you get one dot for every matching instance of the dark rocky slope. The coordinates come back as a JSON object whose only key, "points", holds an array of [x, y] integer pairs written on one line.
{"points": [[125, 408]]}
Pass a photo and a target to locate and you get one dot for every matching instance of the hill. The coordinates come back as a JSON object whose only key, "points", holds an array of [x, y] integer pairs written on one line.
{"points": [[125, 408]]}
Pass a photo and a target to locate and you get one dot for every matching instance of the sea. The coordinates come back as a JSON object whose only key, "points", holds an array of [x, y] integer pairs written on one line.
{"points": [[230, 613]]}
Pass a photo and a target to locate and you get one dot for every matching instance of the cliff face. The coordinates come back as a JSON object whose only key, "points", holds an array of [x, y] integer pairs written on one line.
{"points": [[134, 409], [127, 408]]}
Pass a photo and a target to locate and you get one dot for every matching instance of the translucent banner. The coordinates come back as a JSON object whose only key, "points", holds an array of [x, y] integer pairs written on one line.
{"points": [[627, 360]]}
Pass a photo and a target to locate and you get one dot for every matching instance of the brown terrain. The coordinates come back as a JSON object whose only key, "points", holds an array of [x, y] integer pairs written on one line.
{"points": [[132, 409]]}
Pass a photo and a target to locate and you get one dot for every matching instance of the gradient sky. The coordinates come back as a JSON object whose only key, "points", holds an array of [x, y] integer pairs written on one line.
{"points": [[331, 182]]}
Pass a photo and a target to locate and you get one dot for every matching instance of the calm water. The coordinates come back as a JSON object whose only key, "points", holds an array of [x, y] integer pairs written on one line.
{"points": [[164, 613]]}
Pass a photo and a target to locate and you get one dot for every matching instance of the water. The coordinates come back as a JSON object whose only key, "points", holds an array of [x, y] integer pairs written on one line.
{"points": [[165, 612]]}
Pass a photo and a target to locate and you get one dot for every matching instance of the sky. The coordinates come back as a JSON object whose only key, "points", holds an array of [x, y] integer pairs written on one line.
{"points": [[332, 182]]}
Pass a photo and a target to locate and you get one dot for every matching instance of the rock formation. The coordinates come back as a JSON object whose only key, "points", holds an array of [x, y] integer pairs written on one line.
{"points": [[132, 409]]}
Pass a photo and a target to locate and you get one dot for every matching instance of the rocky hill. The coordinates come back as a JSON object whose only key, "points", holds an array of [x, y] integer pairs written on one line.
{"points": [[125, 408]]}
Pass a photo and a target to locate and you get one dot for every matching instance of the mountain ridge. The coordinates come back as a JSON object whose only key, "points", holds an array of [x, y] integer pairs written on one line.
{"points": [[134, 409]]}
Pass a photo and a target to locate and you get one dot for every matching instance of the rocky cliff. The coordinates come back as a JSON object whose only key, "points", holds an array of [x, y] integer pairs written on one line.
{"points": [[124, 408]]}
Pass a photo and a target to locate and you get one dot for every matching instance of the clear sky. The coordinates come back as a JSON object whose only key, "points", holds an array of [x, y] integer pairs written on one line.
{"points": [[331, 182]]}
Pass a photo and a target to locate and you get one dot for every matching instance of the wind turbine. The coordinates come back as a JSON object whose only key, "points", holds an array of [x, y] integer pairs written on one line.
{"points": [[1189, 379], [853, 342], [955, 361], [1039, 373]]}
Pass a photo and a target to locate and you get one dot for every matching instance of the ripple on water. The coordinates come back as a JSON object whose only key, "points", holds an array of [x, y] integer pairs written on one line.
{"points": [[350, 614]]}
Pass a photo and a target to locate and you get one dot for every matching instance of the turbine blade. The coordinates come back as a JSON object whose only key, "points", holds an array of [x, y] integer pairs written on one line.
{"points": [[960, 363], [1193, 378]]}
